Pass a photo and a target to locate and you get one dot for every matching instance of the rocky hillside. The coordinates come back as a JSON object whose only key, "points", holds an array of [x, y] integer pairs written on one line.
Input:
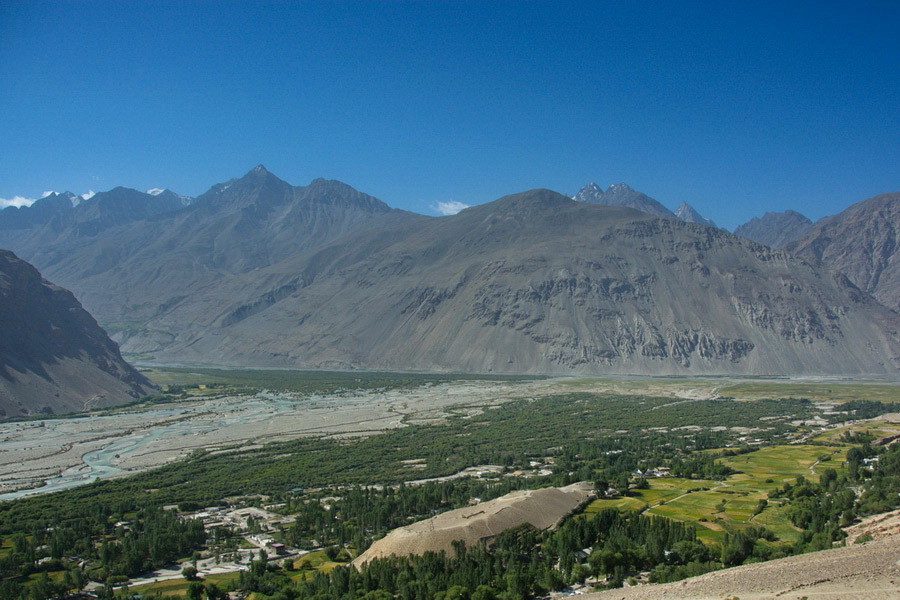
{"points": [[775, 229], [54, 358], [537, 283], [862, 243]]}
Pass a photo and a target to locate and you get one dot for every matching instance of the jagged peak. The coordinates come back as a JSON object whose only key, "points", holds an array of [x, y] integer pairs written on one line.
{"points": [[260, 173]]}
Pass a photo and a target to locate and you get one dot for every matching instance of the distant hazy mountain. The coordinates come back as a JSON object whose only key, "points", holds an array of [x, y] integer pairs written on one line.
{"points": [[53, 356], [621, 194], [688, 214], [862, 243], [155, 259], [41, 212], [775, 229], [537, 283]]}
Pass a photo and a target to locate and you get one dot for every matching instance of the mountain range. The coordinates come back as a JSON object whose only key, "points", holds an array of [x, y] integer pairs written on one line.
{"points": [[258, 272]]}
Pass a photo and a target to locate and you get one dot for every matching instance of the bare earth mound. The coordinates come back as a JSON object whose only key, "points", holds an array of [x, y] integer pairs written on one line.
{"points": [[542, 508], [858, 572]]}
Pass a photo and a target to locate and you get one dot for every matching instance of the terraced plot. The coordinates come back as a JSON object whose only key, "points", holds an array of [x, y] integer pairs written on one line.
{"points": [[717, 507]]}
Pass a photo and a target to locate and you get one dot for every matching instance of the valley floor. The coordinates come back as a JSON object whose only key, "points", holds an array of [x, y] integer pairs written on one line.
{"points": [[42, 456]]}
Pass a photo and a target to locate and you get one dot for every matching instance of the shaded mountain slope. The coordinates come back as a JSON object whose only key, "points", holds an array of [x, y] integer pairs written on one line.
{"points": [[862, 243], [535, 282], [775, 229], [53, 355]]}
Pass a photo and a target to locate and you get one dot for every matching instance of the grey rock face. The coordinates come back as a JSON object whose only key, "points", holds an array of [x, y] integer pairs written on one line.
{"points": [[861, 243], [258, 272], [775, 229], [53, 355], [536, 283]]}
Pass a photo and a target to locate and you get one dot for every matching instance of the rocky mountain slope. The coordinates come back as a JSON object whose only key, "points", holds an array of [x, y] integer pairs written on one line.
{"points": [[775, 229], [862, 243], [535, 282], [258, 272], [53, 356], [620, 194]]}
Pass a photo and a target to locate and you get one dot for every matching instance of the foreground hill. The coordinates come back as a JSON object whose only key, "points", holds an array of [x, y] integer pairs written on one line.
{"points": [[859, 572], [535, 282], [53, 355], [861, 242]]}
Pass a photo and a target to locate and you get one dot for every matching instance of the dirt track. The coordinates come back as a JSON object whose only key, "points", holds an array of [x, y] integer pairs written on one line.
{"points": [[859, 572]]}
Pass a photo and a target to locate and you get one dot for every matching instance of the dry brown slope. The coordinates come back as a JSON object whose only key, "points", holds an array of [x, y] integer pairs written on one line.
{"points": [[541, 508], [859, 572]]}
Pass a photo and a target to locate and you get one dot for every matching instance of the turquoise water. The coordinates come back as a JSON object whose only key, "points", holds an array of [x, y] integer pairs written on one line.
{"points": [[98, 464]]}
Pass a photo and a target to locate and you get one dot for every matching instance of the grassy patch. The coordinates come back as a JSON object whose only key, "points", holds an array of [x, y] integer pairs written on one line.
{"points": [[820, 392], [719, 507], [312, 562], [877, 429], [178, 587]]}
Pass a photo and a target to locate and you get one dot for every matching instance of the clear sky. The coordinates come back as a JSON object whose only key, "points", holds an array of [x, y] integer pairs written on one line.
{"points": [[737, 108]]}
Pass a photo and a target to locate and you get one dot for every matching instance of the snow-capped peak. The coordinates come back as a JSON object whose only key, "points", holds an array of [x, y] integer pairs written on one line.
{"points": [[155, 191]]}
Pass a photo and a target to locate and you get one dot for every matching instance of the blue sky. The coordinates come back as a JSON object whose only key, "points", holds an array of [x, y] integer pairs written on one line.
{"points": [[737, 108]]}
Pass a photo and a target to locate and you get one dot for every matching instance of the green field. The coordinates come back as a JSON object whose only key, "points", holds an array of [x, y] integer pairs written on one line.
{"points": [[820, 392], [729, 505], [878, 428], [178, 587]]}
